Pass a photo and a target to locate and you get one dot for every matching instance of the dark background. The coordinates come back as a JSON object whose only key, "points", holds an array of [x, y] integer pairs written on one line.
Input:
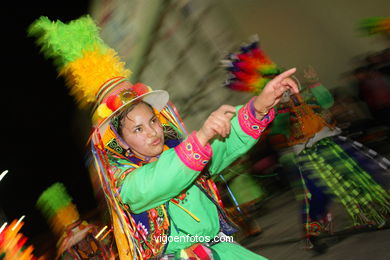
{"points": [[43, 133]]}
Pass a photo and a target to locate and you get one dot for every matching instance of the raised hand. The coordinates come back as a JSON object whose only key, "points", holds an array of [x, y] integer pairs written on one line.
{"points": [[273, 92], [218, 123]]}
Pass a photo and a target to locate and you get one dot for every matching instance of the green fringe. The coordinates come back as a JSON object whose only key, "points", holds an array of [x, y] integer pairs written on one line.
{"points": [[53, 199], [65, 43]]}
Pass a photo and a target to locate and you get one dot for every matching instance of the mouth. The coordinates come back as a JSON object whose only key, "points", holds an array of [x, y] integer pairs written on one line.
{"points": [[156, 142]]}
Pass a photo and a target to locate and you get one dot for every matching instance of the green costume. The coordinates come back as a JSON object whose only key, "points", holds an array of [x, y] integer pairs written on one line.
{"points": [[157, 183], [167, 198]]}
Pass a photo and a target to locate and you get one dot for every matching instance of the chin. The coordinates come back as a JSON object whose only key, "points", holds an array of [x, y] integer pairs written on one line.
{"points": [[156, 151], [160, 150]]}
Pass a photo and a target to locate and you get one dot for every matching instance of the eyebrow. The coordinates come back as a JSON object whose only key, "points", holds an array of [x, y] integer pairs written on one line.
{"points": [[153, 116]]}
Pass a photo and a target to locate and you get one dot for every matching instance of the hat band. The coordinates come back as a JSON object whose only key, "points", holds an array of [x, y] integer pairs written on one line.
{"points": [[107, 87]]}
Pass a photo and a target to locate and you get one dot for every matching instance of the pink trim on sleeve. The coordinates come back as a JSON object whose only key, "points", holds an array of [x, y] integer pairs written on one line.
{"points": [[193, 154], [250, 124]]}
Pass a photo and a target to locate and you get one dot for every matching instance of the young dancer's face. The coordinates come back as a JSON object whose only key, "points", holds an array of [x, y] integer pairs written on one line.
{"points": [[143, 132]]}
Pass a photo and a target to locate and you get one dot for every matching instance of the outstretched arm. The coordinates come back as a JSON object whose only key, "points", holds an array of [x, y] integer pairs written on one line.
{"points": [[248, 124]]}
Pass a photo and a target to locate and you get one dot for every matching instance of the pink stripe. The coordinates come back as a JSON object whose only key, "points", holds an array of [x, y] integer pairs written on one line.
{"points": [[202, 252]]}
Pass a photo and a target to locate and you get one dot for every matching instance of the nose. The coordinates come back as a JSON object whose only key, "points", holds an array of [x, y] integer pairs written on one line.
{"points": [[152, 132]]}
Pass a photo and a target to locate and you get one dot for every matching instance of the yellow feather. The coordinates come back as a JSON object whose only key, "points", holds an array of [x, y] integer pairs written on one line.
{"points": [[64, 217], [87, 74]]}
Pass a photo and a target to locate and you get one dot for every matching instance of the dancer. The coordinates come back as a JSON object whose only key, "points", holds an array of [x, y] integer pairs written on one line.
{"points": [[156, 176], [328, 165], [76, 237]]}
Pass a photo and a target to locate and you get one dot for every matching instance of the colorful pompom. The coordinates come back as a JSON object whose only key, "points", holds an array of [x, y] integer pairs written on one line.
{"points": [[141, 89], [114, 102], [101, 113]]}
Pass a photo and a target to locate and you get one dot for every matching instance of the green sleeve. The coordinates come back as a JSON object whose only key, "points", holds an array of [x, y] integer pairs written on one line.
{"points": [[155, 183], [227, 150]]}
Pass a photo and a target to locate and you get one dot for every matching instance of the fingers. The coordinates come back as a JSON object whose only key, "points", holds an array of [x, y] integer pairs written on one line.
{"points": [[220, 127], [279, 90], [284, 75], [221, 124], [290, 84], [215, 126], [218, 123], [228, 110], [283, 82], [220, 119], [274, 89]]}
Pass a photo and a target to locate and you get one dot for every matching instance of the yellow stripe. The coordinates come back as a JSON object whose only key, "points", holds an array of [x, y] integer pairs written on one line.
{"points": [[188, 212]]}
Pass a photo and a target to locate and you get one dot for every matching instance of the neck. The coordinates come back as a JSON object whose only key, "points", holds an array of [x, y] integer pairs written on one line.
{"points": [[153, 159]]}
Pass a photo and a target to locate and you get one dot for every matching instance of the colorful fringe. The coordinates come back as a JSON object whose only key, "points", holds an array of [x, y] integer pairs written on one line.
{"points": [[328, 165], [130, 243], [369, 160]]}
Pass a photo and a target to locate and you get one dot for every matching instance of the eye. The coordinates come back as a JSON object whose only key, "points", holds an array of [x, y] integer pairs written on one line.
{"points": [[154, 120], [138, 129]]}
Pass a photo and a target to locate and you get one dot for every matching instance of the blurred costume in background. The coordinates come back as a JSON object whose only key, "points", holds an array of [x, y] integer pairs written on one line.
{"points": [[374, 89], [330, 166], [373, 79], [152, 204], [13, 244], [243, 193], [327, 165], [76, 238]]}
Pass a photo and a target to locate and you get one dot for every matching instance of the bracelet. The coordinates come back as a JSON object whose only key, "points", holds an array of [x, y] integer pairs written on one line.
{"points": [[254, 110], [262, 113]]}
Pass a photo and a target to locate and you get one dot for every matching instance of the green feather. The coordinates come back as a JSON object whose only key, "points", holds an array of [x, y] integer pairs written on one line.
{"points": [[66, 42], [53, 199]]}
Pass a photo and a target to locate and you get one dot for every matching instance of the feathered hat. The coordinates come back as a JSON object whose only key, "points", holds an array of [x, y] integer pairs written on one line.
{"points": [[92, 70], [56, 206], [250, 69]]}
